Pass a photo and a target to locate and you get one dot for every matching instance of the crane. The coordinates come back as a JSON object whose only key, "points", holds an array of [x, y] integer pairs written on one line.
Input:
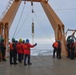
{"points": [[72, 35], [54, 20]]}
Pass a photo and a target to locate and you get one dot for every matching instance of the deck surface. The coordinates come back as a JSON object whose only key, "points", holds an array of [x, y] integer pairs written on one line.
{"points": [[41, 65]]}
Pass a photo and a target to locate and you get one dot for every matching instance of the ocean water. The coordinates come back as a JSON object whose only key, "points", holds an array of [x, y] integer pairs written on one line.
{"points": [[42, 50]]}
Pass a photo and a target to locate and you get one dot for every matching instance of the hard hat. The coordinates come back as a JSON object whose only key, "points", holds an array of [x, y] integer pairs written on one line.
{"points": [[68, 39], [20, 40], [13, 39], [2, 39], [23, 41], [58, 41], [16, 41], [27, 40]]}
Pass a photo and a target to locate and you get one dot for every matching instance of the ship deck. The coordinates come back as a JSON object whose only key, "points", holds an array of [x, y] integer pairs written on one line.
{"points": [[41, 65]]}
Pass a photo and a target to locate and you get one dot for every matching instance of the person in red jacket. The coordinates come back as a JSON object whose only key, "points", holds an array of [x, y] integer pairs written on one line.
{"points": [[20, 50], [27, 47]]}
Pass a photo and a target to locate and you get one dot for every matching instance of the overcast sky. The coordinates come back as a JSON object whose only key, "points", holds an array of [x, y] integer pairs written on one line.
{"points": [[65, 9]]}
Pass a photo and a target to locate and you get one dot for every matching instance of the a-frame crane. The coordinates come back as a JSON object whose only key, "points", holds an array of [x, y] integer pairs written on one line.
{"points": [[56, 23]]}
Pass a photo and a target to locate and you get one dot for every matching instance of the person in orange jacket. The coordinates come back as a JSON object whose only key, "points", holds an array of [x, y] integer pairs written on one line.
{"points": [[13, 52], [20, 50], [27, 47], [55, 46]]}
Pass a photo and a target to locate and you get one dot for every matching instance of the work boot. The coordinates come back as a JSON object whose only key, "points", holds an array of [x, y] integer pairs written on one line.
{"points": [[11, 63], [25, 64], [59, 57], [29, 63], [15, 63], [4, 60]]}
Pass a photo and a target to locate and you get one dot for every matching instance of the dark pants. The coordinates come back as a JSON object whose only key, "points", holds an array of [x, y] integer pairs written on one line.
{"points": [[59, 53], [25, 58], [20, 57], [13, 55], [55, 51], [68, 49], [72, 54], [3, 54]]}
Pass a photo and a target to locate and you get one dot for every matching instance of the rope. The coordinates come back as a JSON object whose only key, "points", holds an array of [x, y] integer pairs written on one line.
{"points": [[18, 31], [66, 9], [18, 21], [42, 28]]}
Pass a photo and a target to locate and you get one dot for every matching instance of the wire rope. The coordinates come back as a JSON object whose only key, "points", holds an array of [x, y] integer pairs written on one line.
{"points": [[18, 22], [36, 16], [66, 9], [42, 27], [25, 20], [18, 31]]}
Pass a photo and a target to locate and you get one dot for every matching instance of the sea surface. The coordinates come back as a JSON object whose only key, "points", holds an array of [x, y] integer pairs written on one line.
{"points": [[42, 50]]}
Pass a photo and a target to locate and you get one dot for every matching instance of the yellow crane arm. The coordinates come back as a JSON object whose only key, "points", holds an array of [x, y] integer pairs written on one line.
{"points": [[8, 18]]}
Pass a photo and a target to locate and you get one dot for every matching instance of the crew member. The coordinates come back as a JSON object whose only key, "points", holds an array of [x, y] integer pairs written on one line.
{"points": [[59, 49], [20, 50], [72, 47], [3, 49], [13, 52], [27, 47], [68, 47], [55, 50]]}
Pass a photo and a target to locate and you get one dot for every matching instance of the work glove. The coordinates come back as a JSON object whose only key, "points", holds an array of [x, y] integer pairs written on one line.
{"points": [[35, 44]]}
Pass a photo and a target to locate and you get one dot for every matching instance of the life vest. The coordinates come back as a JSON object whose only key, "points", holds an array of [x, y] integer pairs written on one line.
{"points": [[11, 46], [55, 45]]}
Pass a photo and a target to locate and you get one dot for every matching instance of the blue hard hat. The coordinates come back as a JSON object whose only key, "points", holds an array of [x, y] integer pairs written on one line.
{"points": [[27, 40]]}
